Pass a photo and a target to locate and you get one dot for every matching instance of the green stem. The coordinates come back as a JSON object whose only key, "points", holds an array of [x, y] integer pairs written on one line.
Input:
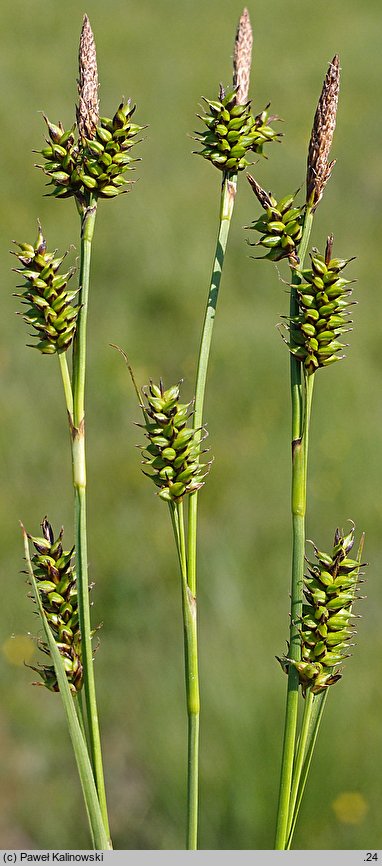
{"points": [[67, 384], [300, 432], [188, 563], [88, 216], [192, 678], [300, 754], [313, 711], [80, 714], [227, 201]]}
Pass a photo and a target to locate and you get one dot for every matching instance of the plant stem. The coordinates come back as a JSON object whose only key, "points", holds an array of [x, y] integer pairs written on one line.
{"points": [[313, 710], [88, 216], [300, 754], [299, 477], [227, 201], [300, 433], [67, 385], [188, 562], [192, 678]]}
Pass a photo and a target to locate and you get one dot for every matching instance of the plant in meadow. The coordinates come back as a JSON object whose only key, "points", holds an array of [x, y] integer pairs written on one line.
{"points": [[91, 161], [318, 318], [231, 135], [171, 459], [87, 162]]}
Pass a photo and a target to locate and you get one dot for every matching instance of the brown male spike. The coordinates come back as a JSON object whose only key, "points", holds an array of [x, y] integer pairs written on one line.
{"points": [[242, 56], [88, 103], [260, 193], [319, 168]]}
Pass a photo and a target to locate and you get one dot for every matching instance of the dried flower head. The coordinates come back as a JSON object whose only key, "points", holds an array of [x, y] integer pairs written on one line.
{"points": [[319, 167], [242, 56], [263, 197], [88, 104]]}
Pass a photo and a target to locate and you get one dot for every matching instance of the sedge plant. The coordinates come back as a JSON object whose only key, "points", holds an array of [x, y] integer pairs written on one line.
{"points": [[231, 134], [319, 316], [86, 163]]}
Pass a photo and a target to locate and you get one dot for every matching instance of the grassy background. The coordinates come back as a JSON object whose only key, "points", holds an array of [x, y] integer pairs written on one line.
{"points": [[151, 266]]}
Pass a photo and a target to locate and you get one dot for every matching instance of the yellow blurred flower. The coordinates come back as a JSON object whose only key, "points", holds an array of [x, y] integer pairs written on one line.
{"points": [[18, 648], [350, 807]]}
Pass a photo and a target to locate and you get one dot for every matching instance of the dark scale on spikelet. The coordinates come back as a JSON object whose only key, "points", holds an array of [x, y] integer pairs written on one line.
{"points": [[326, 625], [57, 585], [280, 226], [233, 132], [323, 300], [174, 448], [83, 166], [50, 309]]}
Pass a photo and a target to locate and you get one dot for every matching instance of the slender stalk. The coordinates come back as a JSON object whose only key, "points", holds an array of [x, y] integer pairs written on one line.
{"points": [[227, 201], [300, 432], [67, 384], [192, 678], [313, 710], [79, 481], [188, 564], [80, 714], [300, 753]]}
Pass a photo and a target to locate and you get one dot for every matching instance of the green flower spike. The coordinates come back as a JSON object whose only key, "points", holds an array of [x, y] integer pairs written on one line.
{"points": [[326, 628], [174, 449], [95, 165], [323, 299], [51, 312], [90, 160], [280, 226], [56, 583], [233, 132]]}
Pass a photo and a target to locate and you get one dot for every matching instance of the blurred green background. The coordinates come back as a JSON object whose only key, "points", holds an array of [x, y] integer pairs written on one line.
{"points": [[152, 257]]}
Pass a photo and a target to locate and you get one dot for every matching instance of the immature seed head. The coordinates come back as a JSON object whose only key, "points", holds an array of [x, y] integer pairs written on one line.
{"points": [[323, 311], [173, 453], [233, 132], [51, 311], [326, 628], [88, 103], [242, 56], [280, 226], [319, 167], [56, 581]]}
